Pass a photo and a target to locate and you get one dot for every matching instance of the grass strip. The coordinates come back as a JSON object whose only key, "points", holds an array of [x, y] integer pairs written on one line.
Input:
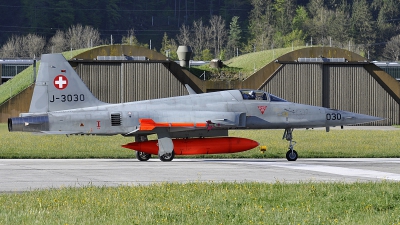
{"points": [[208, 203]]}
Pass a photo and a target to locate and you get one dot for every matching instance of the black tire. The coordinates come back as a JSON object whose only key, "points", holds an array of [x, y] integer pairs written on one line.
{"points": [[167, 157], [291, 155], [142, 156]]}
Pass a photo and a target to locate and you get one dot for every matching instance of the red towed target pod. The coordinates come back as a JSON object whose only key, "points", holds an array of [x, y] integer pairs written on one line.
{"points": [[197, 146]]}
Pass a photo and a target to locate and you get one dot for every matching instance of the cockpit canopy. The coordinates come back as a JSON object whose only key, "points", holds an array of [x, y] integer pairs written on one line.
{"points": [[260, 95]]}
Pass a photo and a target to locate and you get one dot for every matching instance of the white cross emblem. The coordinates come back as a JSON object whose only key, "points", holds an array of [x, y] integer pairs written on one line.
{"points": [[60, 82]]}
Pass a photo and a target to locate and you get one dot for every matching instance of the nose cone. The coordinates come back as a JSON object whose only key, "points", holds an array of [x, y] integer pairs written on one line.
{"points": [[355, 118], [362, 118]]}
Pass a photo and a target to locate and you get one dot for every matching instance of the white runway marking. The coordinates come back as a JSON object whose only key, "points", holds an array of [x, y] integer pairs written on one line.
{"points": [[342, 171], [353, 172]]}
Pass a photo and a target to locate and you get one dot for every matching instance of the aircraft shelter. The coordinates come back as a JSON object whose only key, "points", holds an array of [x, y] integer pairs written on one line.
{"points": [[321, 76]]}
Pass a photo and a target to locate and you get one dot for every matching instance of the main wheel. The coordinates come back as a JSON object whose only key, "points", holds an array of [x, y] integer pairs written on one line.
{"points": [[291, 155], [142, 156], [167, 156]]}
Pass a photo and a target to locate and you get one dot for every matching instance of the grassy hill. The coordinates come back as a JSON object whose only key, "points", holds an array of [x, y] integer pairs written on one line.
{"points": [[251, 62], [242, 66]]}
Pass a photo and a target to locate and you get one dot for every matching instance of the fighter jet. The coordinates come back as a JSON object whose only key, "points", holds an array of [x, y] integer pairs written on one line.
{"points": [[191, 124]]}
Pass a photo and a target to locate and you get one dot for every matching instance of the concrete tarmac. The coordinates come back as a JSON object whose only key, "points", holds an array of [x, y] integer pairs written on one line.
{"points": [[18, 175]]}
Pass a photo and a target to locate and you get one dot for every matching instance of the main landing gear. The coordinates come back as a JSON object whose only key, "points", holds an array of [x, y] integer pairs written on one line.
{"points": [[142, 156], [291, 155], [167, 156]]}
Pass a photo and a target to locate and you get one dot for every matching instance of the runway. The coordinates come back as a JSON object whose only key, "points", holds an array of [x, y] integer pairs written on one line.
{"points": [[18, 175]]}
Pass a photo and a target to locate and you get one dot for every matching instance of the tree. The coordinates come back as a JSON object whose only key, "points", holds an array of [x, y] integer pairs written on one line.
{"points": [[30, 46], [206, 55], [261, 30], [35, 14], [200, 38], [318, 25], [386, 21], [173, 55], [234, 36], [362, 28], [388, 10], [33, 45], [168, 47], [287, 32], [82, 37], [300, 18], [112, 14], [297, 36], [130, 39], [184, 35], [57, 43], [339, 28], [63, 14], [218, 33], [165, 43], [392, 49], [12, 48], [284, 11]]}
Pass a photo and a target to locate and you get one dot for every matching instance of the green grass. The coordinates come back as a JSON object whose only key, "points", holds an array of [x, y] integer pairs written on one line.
{"points": [[251, 62], [311, 144], [24, 79], [208, 203]]}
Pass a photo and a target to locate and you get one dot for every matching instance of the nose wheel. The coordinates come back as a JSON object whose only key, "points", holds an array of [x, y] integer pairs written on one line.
{"points": [[291, 155]]}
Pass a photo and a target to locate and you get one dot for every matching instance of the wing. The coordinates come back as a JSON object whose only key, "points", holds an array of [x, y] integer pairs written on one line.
{"points": [[147, 124], [189, 121]]}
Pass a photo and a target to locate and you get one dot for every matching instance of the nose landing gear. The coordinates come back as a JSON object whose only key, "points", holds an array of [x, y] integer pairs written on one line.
{"points": [[291, 155]]}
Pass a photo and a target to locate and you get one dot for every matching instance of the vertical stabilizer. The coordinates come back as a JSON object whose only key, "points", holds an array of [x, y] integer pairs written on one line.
{"points": [[58, 87]]}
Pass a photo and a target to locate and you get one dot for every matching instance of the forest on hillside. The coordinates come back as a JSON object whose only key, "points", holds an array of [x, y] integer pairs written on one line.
{"points": [[214, 29]]}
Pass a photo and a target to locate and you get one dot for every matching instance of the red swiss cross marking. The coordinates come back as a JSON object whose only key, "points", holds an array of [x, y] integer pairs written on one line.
{"points": [[60, 82], [262, 108]]}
